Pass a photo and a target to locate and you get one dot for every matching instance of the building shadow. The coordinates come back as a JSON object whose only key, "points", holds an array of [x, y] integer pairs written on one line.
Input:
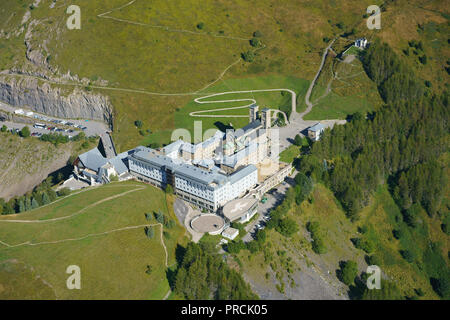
{"points": [[222, 127]]}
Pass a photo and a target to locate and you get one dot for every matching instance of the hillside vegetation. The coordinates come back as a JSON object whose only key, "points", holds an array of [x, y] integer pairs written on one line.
{"points": [[101, 230], [163, 48], [403, 146], [26, 162]]}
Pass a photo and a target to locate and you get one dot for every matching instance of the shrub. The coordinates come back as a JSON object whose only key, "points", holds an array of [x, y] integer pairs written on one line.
{"points": [[407, 255], [248, 56], [388, 291], [25, 132], [257, 34], [138, 124], [255, 42], [169, 189], [410, 215], [159, 217], [200, 26], [235, 246], [34, 203], [4, 128], [445, 228], [45, 198], [261, 236], [303, 187], [441, 286], [423, 59], [287, 227], [397, 233], [298, 141], [318, 246], [170, 224], [374, 259], [348, 272], [64, 192], [149, 216], [253, 246], [149, 232], [364, 244], [363, 229], [149, 269]]}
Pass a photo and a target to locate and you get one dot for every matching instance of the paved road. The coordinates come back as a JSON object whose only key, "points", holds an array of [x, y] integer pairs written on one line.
{"points": [[108, 144]]}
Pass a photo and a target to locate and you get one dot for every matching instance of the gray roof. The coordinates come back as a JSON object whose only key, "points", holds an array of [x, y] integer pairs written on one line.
{"points": [[151, 156], [200, 175], [317, 127], [174, 146], [189, 171], [93, 159], [119, 164], [233, 159], [238, 175], [251, 126]]}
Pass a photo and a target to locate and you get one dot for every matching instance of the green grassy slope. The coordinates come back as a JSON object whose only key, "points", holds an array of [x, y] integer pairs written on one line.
{"points": [[112, 265], [136, 56]]}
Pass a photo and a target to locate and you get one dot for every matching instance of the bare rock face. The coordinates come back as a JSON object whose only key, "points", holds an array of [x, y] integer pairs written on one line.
{"points": [[54, 101]]}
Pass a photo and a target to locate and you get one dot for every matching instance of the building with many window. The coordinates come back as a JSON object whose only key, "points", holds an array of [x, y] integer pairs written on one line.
{"points": [[207, 188]]}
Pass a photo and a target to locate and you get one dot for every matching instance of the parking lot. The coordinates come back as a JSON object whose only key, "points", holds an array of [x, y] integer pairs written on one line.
{"points": [[54, 124], [38, 131], [274, 198]]}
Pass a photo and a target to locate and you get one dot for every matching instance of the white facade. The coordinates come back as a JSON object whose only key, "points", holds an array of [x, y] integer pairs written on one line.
{"points": [[147, 170]]}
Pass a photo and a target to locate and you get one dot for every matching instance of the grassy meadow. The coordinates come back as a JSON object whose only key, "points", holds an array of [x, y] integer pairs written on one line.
{"points": [[179, 57], [113, 265]]}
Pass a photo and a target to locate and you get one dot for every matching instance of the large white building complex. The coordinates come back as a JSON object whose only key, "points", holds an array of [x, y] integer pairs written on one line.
{"points": [[208, 174], [206, 187]]}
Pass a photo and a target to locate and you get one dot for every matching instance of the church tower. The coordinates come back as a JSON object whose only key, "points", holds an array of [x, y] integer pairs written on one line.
{"points": [[253, 113], [265, 118]]}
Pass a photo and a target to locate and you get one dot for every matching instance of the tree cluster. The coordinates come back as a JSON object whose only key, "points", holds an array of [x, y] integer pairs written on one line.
{"points": [[202, 274]]}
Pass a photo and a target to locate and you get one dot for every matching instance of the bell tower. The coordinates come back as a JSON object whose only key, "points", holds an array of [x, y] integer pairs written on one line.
{"points": [[253, 113], [265, 118]]}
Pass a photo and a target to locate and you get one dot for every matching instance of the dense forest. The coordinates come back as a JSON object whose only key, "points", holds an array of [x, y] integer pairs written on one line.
{"points": [[404, 144], [401, 143], [202, 274]]}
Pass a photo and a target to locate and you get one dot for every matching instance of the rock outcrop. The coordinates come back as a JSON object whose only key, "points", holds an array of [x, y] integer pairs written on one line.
{"points": [[54, 101]]}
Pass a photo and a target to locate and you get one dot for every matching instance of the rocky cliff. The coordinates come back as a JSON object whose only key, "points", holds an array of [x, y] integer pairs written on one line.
{"points": [[54, 101]]}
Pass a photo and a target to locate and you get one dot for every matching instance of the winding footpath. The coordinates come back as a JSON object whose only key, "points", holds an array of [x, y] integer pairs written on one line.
{"points": [[309, 105], [250, 100]]}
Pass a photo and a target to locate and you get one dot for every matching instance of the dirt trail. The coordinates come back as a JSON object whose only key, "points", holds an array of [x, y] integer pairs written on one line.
{"points": [[76, 213], [311, 86]]}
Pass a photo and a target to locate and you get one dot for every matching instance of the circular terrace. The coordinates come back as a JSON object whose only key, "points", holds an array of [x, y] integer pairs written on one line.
{"points": [[210, 223]]}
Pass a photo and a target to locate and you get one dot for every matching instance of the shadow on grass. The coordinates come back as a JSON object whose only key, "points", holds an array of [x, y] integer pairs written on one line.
{"points": [[171, 272]]}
